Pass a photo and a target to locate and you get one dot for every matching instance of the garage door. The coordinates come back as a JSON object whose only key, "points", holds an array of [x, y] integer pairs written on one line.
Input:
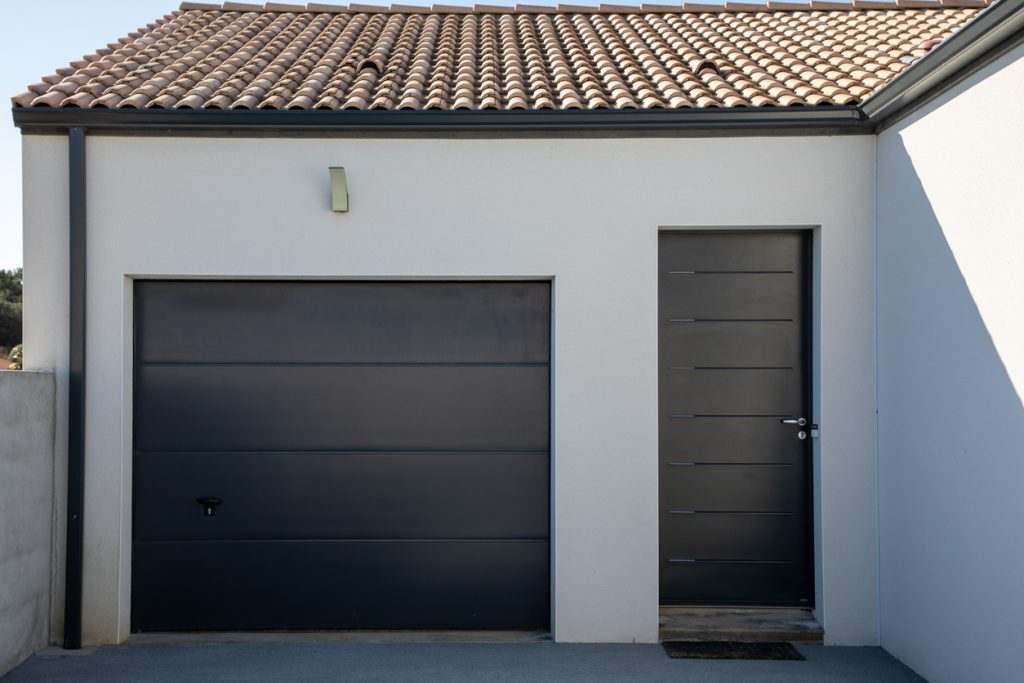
{"points": [[313, 455], [734, 458]]}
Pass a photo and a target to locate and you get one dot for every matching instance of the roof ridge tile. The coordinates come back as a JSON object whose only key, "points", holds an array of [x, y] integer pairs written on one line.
{"points": [[535, 9], [325, 7], [727, 7]]}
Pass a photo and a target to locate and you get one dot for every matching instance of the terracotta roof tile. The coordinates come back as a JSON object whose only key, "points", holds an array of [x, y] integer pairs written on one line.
{"points": [[318, 56]]}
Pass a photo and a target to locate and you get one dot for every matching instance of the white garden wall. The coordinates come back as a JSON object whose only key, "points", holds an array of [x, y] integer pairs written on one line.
{"points": [[951, 380], [26, 513], [585, 212]]}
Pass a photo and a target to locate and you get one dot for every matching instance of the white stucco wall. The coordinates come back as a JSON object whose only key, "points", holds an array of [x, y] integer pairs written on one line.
{"points": [[46, 325], [584, 212], [951, 380]]}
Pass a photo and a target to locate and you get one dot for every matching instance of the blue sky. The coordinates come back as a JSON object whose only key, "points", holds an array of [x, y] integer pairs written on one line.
{"points": [[39, 36]]}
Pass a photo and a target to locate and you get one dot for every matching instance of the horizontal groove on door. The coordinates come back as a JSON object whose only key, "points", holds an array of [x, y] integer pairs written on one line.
{"points": [[703, 560], [697, 369], [730, 272], [730, 320], [269, 364], [358, 451], [728, 512], [252, 585], [729, 464], [677, 416], [344, 540]]}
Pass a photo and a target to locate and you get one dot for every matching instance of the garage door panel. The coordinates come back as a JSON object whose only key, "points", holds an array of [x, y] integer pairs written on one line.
{"points": [[732, 439], [380, 451], [730, 251], [730, 296], [245, 407], [718, 344], [343, 495], [343, 322], [731, 536], [730, 391], [249, 585]]}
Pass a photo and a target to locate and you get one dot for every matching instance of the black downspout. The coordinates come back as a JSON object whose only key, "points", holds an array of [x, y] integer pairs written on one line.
{"points": [[76, 392]]}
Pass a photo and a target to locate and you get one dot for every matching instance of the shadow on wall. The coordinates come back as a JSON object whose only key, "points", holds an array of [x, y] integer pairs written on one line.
{"points": [[951, 449]]}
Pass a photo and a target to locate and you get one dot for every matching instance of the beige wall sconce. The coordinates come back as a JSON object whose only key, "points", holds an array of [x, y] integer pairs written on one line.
{"points": [[339, 190]]}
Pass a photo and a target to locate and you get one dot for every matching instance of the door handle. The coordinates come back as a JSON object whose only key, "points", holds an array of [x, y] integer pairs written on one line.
{"points": [[209, 504], [800, 421]]}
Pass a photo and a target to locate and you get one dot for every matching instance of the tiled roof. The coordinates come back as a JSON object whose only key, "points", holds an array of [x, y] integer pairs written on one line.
{"points": [[275, 56]]}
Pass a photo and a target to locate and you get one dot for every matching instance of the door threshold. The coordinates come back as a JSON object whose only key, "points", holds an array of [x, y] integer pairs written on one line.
{"points": [[326, 637], [740, 624]]}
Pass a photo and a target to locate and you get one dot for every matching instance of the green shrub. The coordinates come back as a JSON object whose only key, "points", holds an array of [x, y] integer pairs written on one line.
{"points": [[10, 324], [10, 307]]}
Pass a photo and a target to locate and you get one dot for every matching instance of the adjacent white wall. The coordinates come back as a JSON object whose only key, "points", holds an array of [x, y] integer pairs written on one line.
{"points": [[44, 173], [585, 212], [26, 513], [951, 380]]}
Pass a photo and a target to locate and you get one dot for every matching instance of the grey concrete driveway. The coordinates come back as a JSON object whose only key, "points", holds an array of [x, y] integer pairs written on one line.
{"points": [[491, 662]]}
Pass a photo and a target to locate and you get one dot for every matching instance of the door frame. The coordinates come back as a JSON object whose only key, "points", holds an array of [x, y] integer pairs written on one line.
{"points": [[129, 395], [812, 377]]}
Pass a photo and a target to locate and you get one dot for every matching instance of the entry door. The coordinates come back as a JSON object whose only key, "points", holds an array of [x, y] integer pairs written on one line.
{"points": [[733, 390], [331, 455]]}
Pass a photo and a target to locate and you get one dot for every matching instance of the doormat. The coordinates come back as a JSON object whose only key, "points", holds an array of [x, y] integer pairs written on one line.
{"points": [[726, 649]]}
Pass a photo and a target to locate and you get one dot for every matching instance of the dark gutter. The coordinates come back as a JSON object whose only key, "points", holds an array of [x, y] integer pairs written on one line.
{"points": [[76, 393], [157, 121], [992, 33]]}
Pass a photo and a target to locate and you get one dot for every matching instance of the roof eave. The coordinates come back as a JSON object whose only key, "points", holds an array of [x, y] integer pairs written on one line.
{"points": [[992, 33], [439, 121]]}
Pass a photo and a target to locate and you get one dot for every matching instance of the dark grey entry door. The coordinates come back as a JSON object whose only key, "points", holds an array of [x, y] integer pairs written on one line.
{"points": [[734, 469], [331, 455]]}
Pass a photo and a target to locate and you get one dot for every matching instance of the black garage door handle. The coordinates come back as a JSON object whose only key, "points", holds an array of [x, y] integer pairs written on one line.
{"points": [[209, 504]]}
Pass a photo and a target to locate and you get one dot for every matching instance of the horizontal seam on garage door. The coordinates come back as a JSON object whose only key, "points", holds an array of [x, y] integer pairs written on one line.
{"points": [[343, 540], [508, 451]]}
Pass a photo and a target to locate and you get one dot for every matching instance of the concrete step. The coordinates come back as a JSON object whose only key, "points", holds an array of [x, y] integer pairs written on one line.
{"points": [[748, 625]]}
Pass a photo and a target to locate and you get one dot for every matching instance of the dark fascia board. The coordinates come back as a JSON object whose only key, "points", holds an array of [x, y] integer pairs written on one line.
{"points": [[993, 32], [639, 121]]}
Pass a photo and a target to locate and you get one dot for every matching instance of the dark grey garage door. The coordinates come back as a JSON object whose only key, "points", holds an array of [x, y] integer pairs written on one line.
{"points": [[374, 455], [734, 460]]}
